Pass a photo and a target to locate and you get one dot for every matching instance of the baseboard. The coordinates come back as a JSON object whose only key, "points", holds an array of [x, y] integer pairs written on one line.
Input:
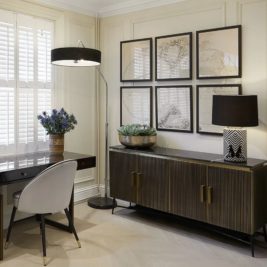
{"points": [[85, 193], [102, 190], [119, 202], [123, 203]]}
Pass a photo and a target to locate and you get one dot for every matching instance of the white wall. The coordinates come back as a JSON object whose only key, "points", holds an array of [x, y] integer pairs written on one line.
{"points": [[75, 90], [182, 17]]}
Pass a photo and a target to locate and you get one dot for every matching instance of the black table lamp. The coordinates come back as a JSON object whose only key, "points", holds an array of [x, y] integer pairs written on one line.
{"points": [[235, 112]]}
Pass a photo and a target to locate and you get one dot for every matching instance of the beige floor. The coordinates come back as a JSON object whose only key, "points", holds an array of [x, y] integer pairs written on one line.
{"points": [[127, 239]]}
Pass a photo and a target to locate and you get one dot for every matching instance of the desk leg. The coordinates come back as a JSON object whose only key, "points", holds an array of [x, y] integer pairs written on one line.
{"points": [[1, 228]]}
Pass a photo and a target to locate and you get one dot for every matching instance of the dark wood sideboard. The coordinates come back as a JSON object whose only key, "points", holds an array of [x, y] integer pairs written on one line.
{"points": [[194, 185]]}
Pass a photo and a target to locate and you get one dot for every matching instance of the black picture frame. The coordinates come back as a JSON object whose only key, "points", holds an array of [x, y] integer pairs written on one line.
{"points": [[173, 53], [132, 52], [131, 99], [218, 51], [171, 105], [204, 125]]}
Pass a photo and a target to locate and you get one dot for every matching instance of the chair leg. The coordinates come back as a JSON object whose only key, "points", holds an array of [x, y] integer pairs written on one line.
{"points": [[72, 227], [10, 226], [42, 224], [265, 232]]}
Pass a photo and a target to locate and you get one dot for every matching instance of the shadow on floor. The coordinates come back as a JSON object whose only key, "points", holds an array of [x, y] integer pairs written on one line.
{"points": [[192, 229]]}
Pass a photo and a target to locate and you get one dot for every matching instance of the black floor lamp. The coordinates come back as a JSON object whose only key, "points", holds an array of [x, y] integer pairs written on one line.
{"points": [[87, 57]]}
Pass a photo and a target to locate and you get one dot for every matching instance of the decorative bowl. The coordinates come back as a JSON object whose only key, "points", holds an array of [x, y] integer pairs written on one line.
{"points": [[138, 140]]}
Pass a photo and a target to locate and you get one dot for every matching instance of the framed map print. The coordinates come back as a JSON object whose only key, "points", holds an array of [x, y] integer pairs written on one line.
{"points": [[173, 54], [219, 53], [204, 105], [136, 105], [136, 60], [174, 108]]}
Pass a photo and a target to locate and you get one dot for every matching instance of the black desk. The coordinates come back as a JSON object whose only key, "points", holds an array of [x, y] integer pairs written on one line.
{"points": [[18, 168]]}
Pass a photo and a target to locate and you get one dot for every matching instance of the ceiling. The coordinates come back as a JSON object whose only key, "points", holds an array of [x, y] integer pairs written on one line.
{"points": [[106, 7]]}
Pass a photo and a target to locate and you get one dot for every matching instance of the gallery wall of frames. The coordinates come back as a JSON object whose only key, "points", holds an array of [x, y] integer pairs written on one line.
{"points": [[217, 56]]}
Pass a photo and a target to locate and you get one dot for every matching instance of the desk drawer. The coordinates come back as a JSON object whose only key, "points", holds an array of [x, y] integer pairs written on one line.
{"points": [[20, 174], [12, 176], [86, 163]]}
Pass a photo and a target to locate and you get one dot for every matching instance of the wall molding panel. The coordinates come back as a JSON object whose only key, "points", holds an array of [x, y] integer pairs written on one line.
{"points": [[192, 16]]}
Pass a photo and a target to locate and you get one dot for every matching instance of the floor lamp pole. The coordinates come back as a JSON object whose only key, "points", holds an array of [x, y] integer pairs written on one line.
{"points": [[103, 202]]}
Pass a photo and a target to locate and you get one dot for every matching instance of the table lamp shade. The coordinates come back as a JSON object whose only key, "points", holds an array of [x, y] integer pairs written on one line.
{"points": [[235, 110], [75, 57]]}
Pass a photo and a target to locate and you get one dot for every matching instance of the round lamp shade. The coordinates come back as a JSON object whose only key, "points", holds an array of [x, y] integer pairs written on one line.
{"points": [[235, 110], [75, 57]]}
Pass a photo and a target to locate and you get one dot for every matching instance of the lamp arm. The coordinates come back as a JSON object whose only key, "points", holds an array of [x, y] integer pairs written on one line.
{"points": [[106, 132], [79, 42]]}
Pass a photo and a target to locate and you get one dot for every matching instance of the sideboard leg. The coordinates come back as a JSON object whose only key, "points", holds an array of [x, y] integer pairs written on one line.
{"points": [[114, 205], [252, 245], [265, 232]]}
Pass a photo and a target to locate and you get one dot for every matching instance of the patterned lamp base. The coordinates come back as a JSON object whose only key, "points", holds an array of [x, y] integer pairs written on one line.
{"points": [[235, 144]]}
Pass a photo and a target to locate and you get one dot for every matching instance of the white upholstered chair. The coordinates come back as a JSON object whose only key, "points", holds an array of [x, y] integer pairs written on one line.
{"points": [[49, 192]]}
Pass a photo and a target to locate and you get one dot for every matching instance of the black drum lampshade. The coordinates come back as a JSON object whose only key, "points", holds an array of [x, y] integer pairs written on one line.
{"points": [[75, 57], [235, 111]]}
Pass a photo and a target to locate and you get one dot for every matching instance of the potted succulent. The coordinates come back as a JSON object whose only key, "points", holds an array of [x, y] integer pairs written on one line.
{"points": [[56, 125], [137, 135]]}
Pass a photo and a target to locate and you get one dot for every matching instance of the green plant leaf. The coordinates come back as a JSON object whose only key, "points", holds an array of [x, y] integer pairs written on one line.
{"points": [[137, 129]]}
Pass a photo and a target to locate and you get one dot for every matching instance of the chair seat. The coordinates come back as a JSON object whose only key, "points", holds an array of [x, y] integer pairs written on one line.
{"points": [[16, 197]]}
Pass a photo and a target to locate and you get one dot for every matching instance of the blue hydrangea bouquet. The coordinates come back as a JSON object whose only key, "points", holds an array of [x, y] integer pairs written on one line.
{"points": [[59, 122]]}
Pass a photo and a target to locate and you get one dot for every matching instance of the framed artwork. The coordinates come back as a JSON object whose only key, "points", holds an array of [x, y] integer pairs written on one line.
{"points": [[136, 60], [219, 53], [136, 105], [173, 54], [174, 110], [204, 105]]}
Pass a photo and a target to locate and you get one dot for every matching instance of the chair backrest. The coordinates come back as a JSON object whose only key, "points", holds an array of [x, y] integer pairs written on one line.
{"points": [[50, 191]]}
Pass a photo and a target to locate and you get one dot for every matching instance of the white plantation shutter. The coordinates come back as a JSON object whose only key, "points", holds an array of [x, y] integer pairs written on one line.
{"points": [[7, 81], [25, 91], [44, 46], [25, 81], [7, 117]]}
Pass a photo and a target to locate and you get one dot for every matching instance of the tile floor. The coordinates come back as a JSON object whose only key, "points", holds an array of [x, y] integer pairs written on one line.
{"points": [[127, 239]]}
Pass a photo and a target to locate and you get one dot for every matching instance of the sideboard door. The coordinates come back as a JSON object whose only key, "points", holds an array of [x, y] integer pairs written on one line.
{"points": [[230, 198], [153, 183], [187, 189], [123, 169]]}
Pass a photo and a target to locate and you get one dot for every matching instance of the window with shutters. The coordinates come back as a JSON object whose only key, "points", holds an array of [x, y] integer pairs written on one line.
{"points": [[26, 85]]}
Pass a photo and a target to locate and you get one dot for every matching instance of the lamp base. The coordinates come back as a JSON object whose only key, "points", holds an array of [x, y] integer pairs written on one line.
{"points": [[235, 145], [102, 203]]}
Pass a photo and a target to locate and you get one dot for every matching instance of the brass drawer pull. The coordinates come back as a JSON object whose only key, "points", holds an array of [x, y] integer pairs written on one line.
{"points": [[209, 197], [202, 193]]}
